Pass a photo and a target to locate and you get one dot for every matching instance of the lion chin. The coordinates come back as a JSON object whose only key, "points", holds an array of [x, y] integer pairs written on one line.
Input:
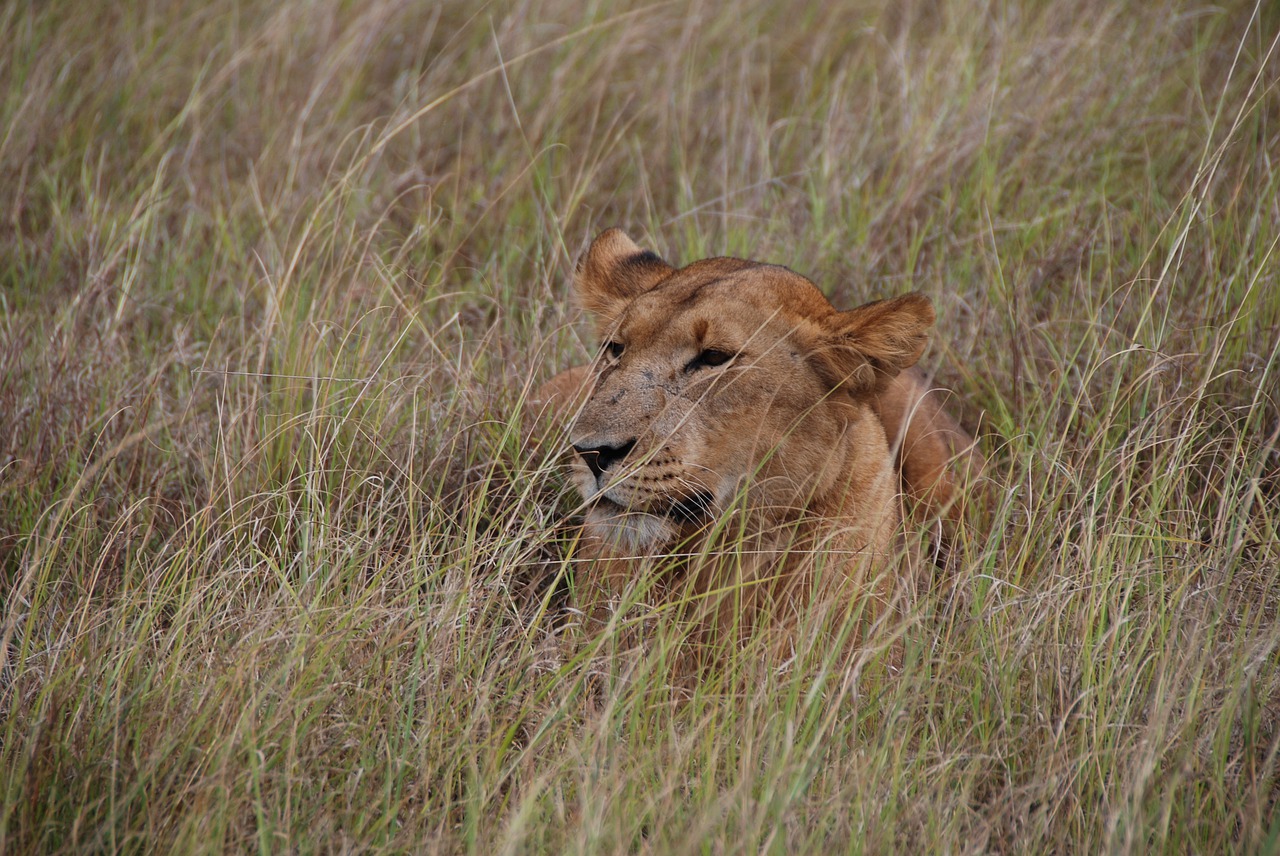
{"points": [[637, 533], [651, 531], [730, 391]]}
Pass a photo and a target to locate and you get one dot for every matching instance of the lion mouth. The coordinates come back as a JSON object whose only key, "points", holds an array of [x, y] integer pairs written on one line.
{"points": [[696, 509]]}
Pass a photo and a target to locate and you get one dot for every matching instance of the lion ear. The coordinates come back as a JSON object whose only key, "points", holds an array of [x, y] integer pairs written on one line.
{"points": [[613, 273], [865, 348]]}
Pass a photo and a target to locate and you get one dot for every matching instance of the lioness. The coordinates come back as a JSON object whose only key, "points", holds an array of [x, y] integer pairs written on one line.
{"points": [[730, 396]]}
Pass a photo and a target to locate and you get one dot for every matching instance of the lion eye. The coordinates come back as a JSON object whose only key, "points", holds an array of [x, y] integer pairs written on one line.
{"points": [[710, 358], [614, 349]]}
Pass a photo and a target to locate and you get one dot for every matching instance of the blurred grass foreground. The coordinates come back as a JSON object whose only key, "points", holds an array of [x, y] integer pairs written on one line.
{"points": [[281, 572]]}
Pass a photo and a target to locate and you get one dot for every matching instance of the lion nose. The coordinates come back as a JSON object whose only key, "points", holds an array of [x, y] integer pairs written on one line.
{"points": [[599, 458]]}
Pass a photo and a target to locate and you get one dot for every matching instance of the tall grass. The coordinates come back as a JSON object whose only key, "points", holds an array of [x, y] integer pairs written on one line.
{"points": [[281, 571]]}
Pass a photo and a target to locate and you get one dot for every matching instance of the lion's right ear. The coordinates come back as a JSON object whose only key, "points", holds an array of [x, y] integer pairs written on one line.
{"points": [[613, 273]]}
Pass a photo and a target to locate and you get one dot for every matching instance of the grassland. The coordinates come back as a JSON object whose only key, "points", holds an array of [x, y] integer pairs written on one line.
{"points": [[280, 572]]}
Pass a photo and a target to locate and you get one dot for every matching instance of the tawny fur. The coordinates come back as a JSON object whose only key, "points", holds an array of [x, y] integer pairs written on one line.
{"points": [[731, 395]]}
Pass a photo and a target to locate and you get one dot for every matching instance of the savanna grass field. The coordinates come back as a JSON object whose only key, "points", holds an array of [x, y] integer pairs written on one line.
{"points": [[284, 570]]}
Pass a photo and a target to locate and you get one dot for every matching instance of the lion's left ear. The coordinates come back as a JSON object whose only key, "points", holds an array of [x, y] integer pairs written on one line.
{"points": [[865, 348], [613, 273]]}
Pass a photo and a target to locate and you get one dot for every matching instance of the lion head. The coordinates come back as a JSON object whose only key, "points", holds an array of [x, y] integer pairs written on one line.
{"points": [[733, 384]]}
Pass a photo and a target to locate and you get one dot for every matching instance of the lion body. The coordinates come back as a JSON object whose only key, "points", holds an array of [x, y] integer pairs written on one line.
{"points": [[732, 401]]}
